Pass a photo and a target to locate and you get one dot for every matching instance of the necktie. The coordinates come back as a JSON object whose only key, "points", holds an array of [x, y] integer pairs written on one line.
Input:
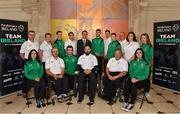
{"points": [[84, 42]]}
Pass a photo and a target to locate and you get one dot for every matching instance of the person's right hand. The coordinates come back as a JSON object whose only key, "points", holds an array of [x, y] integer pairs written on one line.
{"points": [[55, 77], [37, 79], [134, 80], [110, 77]]}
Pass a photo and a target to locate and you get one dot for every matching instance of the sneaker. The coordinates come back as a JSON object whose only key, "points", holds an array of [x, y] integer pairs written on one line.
{"points": [[43, 102], [90, 103], [65, 97], [38, 104], [147, 94], [129, 108], [60, 96], [79, 101], [125, 104]]}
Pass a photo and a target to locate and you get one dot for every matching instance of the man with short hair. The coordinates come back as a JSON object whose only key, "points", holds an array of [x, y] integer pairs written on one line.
{"points": [[70, 61], [28, 45], [113, 46], [55, 70], [59, 44], [82, 43], [71, 42], [98, 49], [116, 69], [87, 65], [122, 40]]}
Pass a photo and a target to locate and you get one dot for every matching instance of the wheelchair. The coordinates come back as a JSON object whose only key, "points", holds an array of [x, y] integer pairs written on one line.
{"points": [[99, 84]]}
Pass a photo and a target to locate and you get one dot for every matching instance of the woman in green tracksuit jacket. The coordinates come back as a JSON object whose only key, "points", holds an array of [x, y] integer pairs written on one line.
{"points": [[139, 72], [33, 71], [148, 54]]}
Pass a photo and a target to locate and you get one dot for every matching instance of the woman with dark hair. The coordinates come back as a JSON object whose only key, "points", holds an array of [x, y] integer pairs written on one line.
{"points": [[148, 55], [131, 47], [33, 70], [138, 75]]}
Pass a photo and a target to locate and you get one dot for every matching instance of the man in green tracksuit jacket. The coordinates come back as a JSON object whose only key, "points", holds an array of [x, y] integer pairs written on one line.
{"points": [[113, 46], [98, 49], [59, 44], [70, 61]]}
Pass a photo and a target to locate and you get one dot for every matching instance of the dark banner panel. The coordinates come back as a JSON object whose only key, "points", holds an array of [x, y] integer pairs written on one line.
{"points": [[167, 55], [12, 35]]}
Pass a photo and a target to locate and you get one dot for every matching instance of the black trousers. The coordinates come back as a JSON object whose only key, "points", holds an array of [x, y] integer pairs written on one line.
{"points": [[39, 88], [70, 81], [105, 64], [100, 64], [110, 87], [130, 89], [61, 85], [45, 77], [92, 83]]}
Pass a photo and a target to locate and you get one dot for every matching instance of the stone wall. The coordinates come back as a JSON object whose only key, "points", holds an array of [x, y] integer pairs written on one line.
{"points": [[143, 13], [35, 12]]}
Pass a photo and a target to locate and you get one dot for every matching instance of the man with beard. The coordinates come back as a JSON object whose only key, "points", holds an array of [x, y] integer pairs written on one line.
{"points": [[87, 65]]}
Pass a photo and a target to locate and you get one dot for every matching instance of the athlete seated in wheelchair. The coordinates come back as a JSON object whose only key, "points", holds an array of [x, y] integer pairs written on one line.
{"points": [[116, 70]]}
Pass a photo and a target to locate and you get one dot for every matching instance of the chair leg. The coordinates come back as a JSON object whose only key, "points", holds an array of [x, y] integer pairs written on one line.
{"points": [[142, 101], [27, 99], [99, 87]]}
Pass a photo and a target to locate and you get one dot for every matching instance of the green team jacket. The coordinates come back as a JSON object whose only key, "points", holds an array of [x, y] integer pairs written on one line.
{"points": [[33, 69], [112, 48], [70, 64], [59, 44], [148, 52], [98, 46], [139, 69]]}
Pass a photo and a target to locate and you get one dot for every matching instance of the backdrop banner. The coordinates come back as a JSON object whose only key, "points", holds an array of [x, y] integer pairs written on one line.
{"points": [[167, 55], [12, 35]]}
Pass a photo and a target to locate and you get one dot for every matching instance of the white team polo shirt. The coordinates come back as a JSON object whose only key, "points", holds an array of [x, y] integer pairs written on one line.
{"points": [[123, 43], [54, 65], [106, 44], [46, 48], [71, 43], [130, 49], [117, 65], [87, 62], [27, 46]]}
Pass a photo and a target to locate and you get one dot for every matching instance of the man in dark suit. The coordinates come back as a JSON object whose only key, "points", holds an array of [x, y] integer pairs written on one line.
{"points": [[82, 43]]}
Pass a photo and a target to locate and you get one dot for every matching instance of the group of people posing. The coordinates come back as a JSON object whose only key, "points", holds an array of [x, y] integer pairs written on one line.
{"points": [[115, 59]]}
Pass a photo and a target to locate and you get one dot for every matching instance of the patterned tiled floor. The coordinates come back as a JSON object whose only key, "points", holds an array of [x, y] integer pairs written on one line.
{"points": [[163, 102]]}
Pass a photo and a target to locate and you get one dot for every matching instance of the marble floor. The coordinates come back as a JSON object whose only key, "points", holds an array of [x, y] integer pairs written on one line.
{"points": [[164, 102]]}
